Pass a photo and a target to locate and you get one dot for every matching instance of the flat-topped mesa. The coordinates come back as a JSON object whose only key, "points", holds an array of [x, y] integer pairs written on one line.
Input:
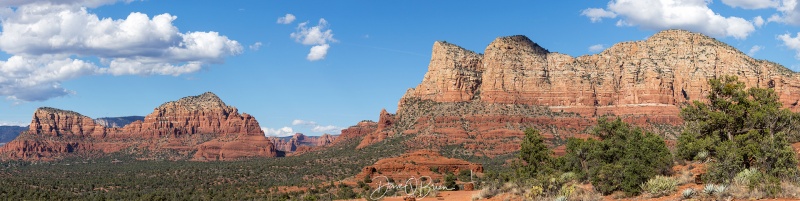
{"points": [[483, 102], [205, 113], [58, 122], [670, 68]]}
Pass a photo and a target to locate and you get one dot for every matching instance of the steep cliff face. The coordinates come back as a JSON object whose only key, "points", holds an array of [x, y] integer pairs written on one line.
{"points": [[482, 102], [201, 124]]}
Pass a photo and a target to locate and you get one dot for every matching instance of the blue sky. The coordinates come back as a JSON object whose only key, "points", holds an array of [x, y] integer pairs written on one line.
{"points": [[334, 64]]}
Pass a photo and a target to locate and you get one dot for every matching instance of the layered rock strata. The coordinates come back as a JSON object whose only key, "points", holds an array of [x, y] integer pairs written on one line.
{"points": [[203, 125], [483, 101]]}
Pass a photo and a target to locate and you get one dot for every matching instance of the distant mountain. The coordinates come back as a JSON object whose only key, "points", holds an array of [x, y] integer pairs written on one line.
{"points": [[301, 142], [117, 122], [198, 127], [8, 133]]}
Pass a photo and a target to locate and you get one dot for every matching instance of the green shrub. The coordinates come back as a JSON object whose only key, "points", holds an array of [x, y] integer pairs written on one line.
{"points": [[739, 128], [450, 181], [622, 160], [660, 186], [748, 177], [535, 153]]}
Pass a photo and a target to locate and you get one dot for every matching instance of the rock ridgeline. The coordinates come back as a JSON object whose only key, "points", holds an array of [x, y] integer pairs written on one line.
{"points": [[483, 101], [203, 125], [300, 142]]}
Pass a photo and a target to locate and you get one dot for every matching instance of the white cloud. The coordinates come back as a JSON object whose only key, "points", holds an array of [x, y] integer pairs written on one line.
{"points": [[288, 19], [752, 4], [315, 127], [281, 132], [12, 123], [754, 50], [318, 52], [758, 21], [255, 46], [298, 122], [693, 15], [790, 13], [330, 129], [791, 42], [597, 14], [52, 43], [319, 36], [597, 48]]}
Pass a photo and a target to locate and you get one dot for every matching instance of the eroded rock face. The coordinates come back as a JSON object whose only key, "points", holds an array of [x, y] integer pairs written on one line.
{"points": [[416, 164], [483, 102], [359, 130], [201, 124]]}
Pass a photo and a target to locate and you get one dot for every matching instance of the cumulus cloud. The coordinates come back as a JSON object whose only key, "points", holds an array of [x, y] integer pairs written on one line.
{"points": [[318, 52], [597, 14], [319, 36], [288, 19], [694, 15], [789, 13], [315, 127], [281, 132], [55, 42], [758, 21], [597, 48], [752, 4], [791, 42], [754, 50], [255, 46]]}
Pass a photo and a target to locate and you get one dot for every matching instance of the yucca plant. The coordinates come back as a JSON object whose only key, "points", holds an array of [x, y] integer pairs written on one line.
{"points": [[660, 186], [688, 193], [709, 189]]}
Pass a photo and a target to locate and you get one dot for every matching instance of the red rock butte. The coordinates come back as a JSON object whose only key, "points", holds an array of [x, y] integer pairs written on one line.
{"points": [[196, 127], [484, 101]]}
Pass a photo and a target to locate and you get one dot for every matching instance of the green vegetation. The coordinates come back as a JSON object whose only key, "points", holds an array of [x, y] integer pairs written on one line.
{"points": [[623, 158], [660, 186], [741, 129], [100, 179]]}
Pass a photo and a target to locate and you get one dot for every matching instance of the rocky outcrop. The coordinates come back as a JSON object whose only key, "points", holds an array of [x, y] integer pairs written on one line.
{"points": [[302, 142], [482, 102], [360, 130], [203, 125], [417, 164], [117, 122], [383, 130]]}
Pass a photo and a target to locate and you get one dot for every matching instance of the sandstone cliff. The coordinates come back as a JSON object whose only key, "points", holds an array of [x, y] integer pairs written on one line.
{"points": [[203, 125], [483, 101], [417, 164]]}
